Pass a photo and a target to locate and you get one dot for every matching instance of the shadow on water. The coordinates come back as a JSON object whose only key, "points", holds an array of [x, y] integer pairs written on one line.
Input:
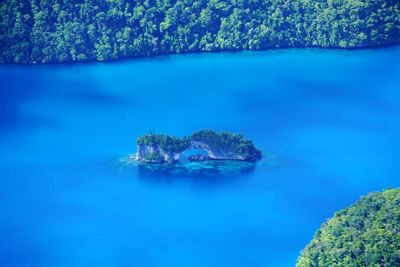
{"points": [[21, 88], [15, 91], [205, 171], [315, 103]]}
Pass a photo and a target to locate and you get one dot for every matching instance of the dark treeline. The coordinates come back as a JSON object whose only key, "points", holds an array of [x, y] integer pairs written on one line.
{"points": [[73, 30]]}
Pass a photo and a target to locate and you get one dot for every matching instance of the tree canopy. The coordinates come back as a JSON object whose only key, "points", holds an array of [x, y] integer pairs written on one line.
{"points": [[40, 31], [165, 142], [365, 234]]}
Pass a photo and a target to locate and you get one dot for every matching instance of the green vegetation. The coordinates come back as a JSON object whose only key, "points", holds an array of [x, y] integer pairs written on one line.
{"points": [[235, 143], [165, 142], [35, 31], [366, 234]]}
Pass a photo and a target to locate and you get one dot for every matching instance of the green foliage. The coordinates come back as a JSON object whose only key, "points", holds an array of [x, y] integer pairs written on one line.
{"points": [[165, 142], [366, 234], [34, 31], [235, 143]]}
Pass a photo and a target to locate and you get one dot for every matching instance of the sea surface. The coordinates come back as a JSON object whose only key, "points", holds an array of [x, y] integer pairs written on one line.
{"points": [[327, 121]]}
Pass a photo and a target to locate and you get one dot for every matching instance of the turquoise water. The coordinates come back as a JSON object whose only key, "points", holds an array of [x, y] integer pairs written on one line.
{"points": [[328, 122]]}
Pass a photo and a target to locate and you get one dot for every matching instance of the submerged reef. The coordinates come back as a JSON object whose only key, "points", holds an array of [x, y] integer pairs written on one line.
{"points": [[160, 148], [203, 169]]}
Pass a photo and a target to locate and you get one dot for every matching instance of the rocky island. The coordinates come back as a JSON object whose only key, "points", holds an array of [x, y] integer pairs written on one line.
{"points": [[160, 148]]}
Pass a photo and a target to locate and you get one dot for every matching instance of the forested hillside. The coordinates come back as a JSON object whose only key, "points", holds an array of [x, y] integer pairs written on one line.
{"points": [[366, 234], [35, 31]]}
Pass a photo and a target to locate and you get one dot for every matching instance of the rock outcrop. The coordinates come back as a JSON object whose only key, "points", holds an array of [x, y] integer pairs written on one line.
{"points": [[157, 148], [199, 157], [155, 154]]}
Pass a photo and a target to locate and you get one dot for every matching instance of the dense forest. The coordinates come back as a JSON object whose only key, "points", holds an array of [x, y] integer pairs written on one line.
{"points": [[39, 31], [366, 234]]}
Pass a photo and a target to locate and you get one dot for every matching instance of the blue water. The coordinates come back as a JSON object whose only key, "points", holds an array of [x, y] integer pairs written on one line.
{"points": [[328, 122]]}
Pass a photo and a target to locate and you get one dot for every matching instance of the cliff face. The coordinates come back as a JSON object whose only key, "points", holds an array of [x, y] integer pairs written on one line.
{"points": [[218, 146], [155, 154], [217, 152]]}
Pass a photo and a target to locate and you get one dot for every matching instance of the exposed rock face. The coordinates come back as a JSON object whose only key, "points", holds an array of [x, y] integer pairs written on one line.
{"points": [[217, 152], [195, 158], [155, 154], [219, 146]]}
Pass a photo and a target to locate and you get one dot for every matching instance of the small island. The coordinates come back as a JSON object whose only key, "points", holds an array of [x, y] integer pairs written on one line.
{"points": [[160, 148]]}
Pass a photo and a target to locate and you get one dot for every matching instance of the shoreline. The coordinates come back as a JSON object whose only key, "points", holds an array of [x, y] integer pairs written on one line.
{"points": [[217, 51]]}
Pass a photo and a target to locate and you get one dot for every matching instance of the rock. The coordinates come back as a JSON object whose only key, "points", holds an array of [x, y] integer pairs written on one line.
{"points": [[199, 158]]}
